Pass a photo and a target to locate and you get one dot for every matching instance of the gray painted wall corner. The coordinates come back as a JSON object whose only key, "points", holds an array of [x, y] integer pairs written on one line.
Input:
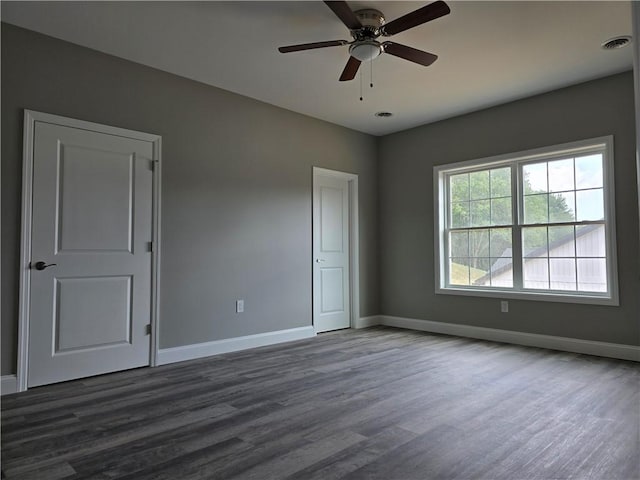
{"points": [[592, 109]]}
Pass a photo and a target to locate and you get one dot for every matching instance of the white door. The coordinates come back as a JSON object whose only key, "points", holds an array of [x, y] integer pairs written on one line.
{"points": [[331, 299], [90, 297]]}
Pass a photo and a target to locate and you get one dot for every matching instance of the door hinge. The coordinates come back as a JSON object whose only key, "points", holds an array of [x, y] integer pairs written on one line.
{"points": [[148, 329], [152, 164], [150, 247]]}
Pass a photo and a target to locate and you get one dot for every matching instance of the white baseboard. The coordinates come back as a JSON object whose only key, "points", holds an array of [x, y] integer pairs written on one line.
{"points": [[365, 322], [8, 384], [575, 345], [216, 347]]}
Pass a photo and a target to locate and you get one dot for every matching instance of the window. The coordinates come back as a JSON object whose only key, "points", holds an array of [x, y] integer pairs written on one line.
{"points": [[536, 224]]}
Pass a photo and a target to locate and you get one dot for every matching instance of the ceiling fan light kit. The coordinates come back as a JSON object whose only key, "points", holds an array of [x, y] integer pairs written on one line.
{"points": [[366, 26], [366, 50]]}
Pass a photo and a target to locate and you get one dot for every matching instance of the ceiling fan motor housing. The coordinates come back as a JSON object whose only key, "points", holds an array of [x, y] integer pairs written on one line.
{"points": [[371, 21], [365, 47]]}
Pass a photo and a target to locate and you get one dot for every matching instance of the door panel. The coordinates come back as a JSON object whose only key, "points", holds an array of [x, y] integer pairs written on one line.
{"points": [[331, 217], [332, 288], [95, 200], [92, 312], [331, 309], [92, 219]]}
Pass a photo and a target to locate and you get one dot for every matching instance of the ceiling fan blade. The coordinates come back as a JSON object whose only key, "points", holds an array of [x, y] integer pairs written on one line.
{"points": [[345, 14], [418, 17], [409, 53], [311, 46], [350, 69]]}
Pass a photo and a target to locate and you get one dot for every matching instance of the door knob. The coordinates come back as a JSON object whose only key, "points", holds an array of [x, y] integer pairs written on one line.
{"points": [[42, 265], [318, 260]]}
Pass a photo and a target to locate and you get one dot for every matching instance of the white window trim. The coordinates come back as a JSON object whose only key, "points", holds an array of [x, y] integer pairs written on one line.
{"points": [[547, 153]]}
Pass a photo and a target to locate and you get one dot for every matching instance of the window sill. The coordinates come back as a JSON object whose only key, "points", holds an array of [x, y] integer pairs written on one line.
{"points": [[589, 299]]}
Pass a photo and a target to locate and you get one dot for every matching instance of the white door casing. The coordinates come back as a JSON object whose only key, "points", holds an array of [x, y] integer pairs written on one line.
{"points": [[333, 259], [93, 216]]}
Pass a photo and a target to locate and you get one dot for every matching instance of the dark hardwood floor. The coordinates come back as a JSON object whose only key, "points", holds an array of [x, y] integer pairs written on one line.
{"points": [[379, 403]]}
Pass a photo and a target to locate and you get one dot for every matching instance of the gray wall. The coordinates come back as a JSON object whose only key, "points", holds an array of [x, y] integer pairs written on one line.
{"points": [[406, 161], [236, 198], [237, 194]]}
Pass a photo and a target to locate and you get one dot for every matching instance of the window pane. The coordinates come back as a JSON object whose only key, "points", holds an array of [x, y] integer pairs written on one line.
{"points": [[501, 211], [480, 214], [502, 272], [589, 171], [535, 177], [561, 175], [483, 280], [459, 244], [479, 243], [501, 182], [534, 241], [536, 273], [479, 185], [562, 207], [460, 214], [561, 242], [501, 242], [590, 241], [479, 269], [459, 271], [592, 274], [459, 187], [536, 208], [562, 273], [589, 205]]}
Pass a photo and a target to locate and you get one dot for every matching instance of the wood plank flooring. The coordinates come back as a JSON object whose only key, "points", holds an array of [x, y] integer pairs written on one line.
{"points": [[379, 403]]}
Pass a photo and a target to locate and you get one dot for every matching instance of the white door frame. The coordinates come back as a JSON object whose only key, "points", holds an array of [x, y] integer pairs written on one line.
{"points": [[30, 119], [354, 242]]}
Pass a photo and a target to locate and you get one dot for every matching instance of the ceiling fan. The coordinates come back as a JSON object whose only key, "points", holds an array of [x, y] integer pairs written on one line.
{"points": [[369, 24]]}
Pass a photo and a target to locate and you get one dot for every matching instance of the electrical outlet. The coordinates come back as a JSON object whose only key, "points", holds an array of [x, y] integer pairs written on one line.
{"points": [[239, 306], [504, 306]]}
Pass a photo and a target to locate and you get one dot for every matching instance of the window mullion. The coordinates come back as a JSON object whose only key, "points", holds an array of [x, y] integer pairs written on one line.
{"points": [[444, 253], [517, 215]]}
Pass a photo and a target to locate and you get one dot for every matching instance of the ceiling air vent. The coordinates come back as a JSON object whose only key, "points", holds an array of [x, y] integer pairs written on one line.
{"points": [[384, 114], [617, 42]]}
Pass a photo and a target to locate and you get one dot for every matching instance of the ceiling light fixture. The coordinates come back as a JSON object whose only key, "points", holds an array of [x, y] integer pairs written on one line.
{"points": [[365, 51], [617, 42]]}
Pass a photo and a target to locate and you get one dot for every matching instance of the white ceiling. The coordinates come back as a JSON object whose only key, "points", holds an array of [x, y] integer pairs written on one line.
{"points": [[489, 52]]}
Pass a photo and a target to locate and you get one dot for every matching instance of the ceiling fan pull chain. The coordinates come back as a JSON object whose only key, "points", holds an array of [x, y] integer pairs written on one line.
{"points": [[371, 63], [361, 84]]}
